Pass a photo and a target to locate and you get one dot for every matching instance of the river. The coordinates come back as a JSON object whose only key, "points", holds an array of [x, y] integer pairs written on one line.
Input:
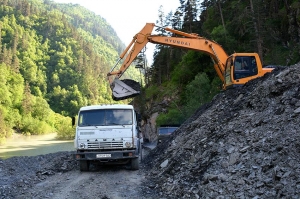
{"points": [[19, 145]]}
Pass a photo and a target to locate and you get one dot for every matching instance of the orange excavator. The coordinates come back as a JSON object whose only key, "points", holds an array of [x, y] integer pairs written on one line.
{"points": [[233, 70]]}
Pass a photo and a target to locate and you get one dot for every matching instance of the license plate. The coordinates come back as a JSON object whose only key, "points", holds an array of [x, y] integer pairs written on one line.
{"points": [[103, 155]]}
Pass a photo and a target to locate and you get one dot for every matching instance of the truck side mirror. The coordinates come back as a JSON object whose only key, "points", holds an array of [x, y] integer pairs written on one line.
{"points": [[139, 117], [73, 121]]}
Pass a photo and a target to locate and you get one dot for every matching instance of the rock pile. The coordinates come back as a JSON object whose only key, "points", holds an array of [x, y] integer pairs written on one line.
{"points": [[18, 174], [244, 144]]}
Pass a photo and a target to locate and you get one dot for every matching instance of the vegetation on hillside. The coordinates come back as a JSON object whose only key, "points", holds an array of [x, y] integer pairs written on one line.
{"points": [[187, 78], [53, 59]]}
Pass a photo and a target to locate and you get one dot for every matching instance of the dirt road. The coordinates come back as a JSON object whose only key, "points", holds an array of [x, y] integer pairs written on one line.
{"points": [[104, 182], [57, 176]]}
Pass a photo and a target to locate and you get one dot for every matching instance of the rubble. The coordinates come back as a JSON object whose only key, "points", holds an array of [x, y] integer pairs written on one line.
{"points": [[244, 144], [19, 174]]}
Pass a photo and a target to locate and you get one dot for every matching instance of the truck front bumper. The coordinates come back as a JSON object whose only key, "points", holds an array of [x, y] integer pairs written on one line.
{"points": [[105, 155]]}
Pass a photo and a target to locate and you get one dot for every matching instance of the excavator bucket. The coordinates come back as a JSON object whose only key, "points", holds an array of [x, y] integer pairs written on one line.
{"points": [[124, 89]]}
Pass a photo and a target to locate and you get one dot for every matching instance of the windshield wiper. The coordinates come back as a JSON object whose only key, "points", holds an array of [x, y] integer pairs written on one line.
{"points": [[90, 125], [114, 123]]}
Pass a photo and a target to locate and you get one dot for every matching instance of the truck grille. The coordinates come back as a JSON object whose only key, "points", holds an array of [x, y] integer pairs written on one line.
{"points": [[104, 145]]}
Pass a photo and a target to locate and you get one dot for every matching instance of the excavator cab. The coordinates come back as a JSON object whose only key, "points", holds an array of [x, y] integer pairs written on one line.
{"points": [[241, 68]]}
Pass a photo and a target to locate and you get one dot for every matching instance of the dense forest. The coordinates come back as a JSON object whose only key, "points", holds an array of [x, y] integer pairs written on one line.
{"points": [[53, 59], [186, 79]]}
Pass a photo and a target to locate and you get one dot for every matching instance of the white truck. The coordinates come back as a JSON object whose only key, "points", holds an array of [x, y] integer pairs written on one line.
{"points": [[107, 134]]}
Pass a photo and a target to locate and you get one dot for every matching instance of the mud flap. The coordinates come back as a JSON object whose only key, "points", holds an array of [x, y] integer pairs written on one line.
{"points": [[124, 89]]}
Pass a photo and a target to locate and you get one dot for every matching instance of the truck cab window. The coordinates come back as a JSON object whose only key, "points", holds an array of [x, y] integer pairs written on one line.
{"points": [[91, 118], [119, 117], [105, 117]]}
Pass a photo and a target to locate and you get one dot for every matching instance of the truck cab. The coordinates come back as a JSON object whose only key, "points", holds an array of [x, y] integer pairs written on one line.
{"points": [[107, 134]]}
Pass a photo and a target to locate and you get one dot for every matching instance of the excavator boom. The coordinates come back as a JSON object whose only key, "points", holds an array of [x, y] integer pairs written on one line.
{"points": [[223, 64]]}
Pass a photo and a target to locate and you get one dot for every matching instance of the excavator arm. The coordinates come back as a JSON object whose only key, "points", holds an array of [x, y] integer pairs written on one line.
{"points": [[121, 89], [138, 42]]}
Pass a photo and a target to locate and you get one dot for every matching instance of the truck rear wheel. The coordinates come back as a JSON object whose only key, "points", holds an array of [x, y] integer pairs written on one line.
{"points": [[84, 165], [135, 164]]}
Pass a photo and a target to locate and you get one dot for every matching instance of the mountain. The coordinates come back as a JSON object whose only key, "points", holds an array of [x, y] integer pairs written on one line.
{"points": [[54, 59]]}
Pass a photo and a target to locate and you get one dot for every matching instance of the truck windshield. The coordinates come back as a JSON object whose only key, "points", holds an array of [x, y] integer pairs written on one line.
{"points": [[105, 117]]}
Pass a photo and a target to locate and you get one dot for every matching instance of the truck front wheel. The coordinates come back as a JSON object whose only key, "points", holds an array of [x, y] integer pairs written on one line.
{"points": [[84, 165], [135, 164]]}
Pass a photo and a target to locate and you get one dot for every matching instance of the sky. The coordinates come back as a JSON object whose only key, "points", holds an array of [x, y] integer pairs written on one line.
{"points": [[128, 17]]}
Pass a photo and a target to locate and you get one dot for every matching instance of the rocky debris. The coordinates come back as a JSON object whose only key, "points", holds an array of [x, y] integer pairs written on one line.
{"points": [[18, 174], [244, 144]]}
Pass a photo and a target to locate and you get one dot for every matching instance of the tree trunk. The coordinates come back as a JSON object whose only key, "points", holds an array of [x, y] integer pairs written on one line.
{"points": [[221, 13], [257, 32]]}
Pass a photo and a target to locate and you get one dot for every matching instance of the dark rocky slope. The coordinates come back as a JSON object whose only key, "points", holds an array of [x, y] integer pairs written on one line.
{"points": [[244, 144]]}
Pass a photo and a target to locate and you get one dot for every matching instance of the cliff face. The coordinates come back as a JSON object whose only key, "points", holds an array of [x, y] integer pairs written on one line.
{"points": [[244, 144], [148, 125]]}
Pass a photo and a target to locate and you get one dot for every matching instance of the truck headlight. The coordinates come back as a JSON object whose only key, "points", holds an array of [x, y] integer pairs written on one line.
{"points": [[127, 144], [81, 145]]}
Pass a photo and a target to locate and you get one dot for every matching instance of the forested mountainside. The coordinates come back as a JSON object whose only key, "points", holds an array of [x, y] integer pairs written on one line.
{"points": [[92, 28], [179, 80], [54, 59]]}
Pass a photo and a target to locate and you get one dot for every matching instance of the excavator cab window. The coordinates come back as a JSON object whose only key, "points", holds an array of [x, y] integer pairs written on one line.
{"points": [[227, 75], [244, 66]]}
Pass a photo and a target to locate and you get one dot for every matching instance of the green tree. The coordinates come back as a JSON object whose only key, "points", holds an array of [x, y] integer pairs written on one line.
{"points": [[197, 92]]}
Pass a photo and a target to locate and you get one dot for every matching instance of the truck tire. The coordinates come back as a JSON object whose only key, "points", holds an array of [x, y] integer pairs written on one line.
{"points": [[135, 164], [141, 151], [84, 165]]}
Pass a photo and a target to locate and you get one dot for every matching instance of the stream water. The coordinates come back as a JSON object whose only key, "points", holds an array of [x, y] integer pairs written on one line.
{"points": [[19, 145]]}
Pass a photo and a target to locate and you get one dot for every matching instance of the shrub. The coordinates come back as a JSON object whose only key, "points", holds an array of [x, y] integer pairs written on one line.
{"points": [[172, 117], [64, 128], [34, 126]]}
